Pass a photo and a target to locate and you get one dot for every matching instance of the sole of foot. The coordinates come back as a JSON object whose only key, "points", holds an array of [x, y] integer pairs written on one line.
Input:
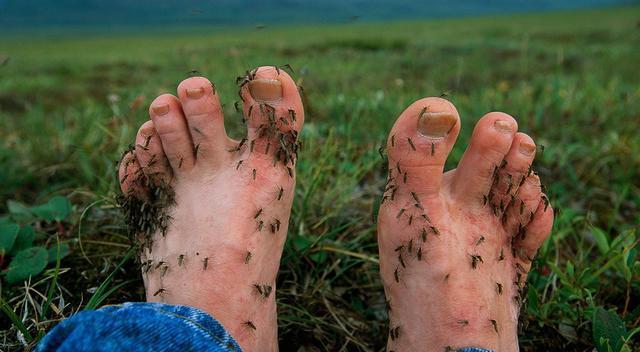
{"points": [[456, 247], [211, 213]]}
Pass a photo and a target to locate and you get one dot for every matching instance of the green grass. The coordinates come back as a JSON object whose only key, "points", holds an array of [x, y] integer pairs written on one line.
{"points": [[69, 107]]}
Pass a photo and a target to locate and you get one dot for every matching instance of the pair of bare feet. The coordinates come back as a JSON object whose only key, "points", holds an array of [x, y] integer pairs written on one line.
{"points": [[211, 214]]}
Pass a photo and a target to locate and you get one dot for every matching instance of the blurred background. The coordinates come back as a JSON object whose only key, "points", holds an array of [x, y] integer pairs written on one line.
{"points": [[76, 78]]}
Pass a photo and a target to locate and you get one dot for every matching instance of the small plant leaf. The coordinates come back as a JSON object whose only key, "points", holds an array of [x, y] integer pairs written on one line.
{"points": [[56, 209], [19, 211], [601, 240], [29, 262], [24, 240], [53, 251], [608, 330], [8, 234]]}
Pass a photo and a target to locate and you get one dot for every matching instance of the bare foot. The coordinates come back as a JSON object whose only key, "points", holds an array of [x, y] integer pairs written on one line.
{"points": [[455, 248], [211, 212]]}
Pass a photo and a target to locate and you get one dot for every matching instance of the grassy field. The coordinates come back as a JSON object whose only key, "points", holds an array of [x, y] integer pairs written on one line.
{"points": [[69, 107]]}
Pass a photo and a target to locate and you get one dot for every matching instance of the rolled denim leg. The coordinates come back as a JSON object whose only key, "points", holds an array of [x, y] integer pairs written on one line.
{"points": [[139, 327]]}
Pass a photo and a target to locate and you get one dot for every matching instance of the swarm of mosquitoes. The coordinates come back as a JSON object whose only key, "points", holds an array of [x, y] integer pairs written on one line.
{"points": [[416, 216], [148, 214]]}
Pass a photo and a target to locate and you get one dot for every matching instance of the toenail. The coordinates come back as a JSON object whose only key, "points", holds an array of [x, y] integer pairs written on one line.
{"points": [[263, 89], [503, 126], [436, 124], [527, 148], [160, 110], [195, 93]]}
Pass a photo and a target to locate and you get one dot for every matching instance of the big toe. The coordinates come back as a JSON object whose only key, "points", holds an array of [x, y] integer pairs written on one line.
{"points": [[274, 114], [418, 146]]}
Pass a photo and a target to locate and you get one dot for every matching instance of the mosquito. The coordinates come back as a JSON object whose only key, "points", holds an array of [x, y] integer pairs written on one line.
{"points": [[258, 213], [205, 263], [160, 292], [180, 259], [247, 257], [411, 144], [280, 192], [499, 288], [475, 259], [495, 324]]}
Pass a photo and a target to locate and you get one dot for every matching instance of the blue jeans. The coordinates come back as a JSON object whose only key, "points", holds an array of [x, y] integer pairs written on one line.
{"points": [[144, 327]]}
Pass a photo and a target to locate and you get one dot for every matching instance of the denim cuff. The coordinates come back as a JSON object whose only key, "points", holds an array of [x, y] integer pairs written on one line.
{"points": [[139, 327]]}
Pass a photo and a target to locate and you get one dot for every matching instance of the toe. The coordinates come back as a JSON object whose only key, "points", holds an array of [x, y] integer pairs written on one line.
{"points": [[490, 142], [537, 230], [204, 117], [511, 173], [419, 144], [150, 155], [273, 112], [129, 174], [522, 207], [171, 126]]}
